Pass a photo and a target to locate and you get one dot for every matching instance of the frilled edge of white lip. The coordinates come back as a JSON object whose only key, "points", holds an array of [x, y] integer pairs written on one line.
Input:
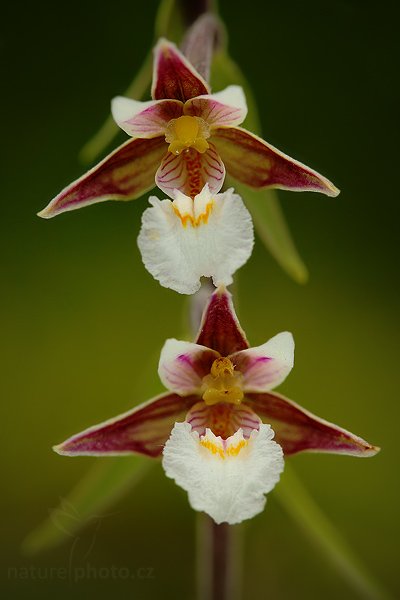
{"points": [[227, 479], [184, 240]]}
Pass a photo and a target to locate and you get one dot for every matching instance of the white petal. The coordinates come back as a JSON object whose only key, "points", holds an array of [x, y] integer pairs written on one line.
{"points": [[144, 119], [123, 108], [183, 203], [183, 365], [227, 108], [265, 367], [233, 95], [178, 251], [225, 479], [201, 202]]}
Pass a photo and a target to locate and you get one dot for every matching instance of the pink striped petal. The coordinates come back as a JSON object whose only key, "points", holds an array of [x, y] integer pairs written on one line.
{"points": [[220, 328], [173, 75], [223, 419], [142, 430], [265, 367], [183, 365], [189, 171], [297, 430], [125, 174], [145, 119], [226, 108], [252, 161]]}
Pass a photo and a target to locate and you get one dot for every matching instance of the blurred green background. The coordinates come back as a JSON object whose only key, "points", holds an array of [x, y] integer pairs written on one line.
{"points": [[83, 322]]}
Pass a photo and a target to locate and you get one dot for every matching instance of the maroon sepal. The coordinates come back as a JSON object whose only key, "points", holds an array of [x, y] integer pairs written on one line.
{"points": [[173, 75], [297, 429], [254, 162], [220, 328], [142, 430], [125, 174]]}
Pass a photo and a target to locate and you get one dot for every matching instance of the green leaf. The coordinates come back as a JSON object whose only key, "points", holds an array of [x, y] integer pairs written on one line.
{"points": [[168, 23], [306, 513], [268, 218], [105, 483]]}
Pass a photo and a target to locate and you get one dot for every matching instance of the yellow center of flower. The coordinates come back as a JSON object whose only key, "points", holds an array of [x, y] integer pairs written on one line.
{"points": [[223, 384], [187, 132]]}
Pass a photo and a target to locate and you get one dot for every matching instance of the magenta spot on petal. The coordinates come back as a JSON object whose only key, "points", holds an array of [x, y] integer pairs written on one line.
{"points": [[184, 358]]}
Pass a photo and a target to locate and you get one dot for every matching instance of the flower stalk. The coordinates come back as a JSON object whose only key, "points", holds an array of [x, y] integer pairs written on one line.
{"points": [[219, 560]]}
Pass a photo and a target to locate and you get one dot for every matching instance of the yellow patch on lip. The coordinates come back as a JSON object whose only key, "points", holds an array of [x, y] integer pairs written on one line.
{"points": [[234, 450], [188, 218], [223, 452]]}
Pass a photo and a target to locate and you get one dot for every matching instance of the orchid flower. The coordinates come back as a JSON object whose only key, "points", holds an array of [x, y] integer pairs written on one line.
{"points": [[214, 427], [212, 237], [184, 137]]}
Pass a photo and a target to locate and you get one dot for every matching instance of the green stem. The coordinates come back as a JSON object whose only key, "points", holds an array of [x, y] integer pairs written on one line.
{"points": [[219, 572]]}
